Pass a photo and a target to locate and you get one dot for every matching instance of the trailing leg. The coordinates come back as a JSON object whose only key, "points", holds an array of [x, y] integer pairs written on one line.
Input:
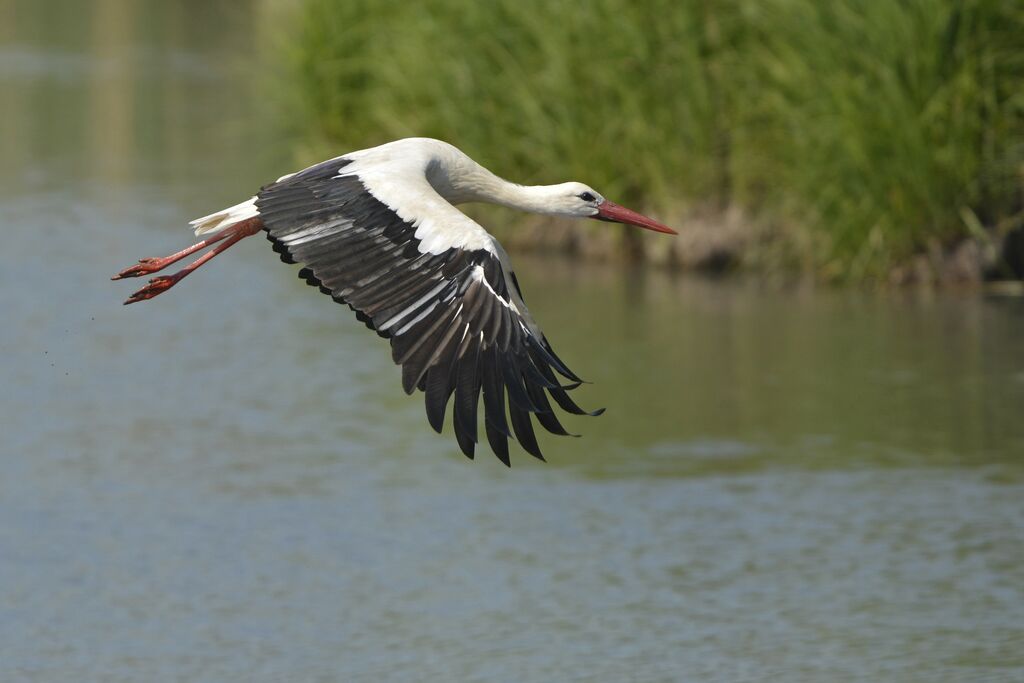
{"points": [[150, 264], [160, 284]]}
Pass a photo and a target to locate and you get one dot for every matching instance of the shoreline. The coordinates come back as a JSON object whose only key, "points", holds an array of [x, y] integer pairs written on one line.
{"points": [[728, 241]]}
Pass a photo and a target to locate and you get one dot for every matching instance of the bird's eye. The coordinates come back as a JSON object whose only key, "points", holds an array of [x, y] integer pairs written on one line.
{"points": [[587, 197]]}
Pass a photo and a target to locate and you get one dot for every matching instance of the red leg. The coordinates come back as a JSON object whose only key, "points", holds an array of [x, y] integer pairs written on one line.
{"points": [[162, 283], [148, 265]]}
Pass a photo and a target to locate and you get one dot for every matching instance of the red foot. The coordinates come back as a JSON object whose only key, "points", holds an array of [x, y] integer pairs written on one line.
{"points": [[145, 266], [157, 285], [161, 284]]}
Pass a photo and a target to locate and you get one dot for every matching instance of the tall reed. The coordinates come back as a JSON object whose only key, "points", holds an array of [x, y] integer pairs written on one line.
{"points": [[866, 130]]}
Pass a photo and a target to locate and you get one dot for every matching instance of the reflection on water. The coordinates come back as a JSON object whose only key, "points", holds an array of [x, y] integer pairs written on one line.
{"points": [[227, 483], [813, 377]]}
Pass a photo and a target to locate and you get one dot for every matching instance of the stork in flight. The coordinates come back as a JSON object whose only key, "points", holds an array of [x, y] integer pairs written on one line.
{"points": [[378, 230]]}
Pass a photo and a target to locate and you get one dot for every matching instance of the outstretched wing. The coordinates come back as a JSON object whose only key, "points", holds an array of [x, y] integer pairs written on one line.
{"points": [[456, 321]]}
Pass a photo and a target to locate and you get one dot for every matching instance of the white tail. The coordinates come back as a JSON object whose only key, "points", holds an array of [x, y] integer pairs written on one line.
{"points": [[226, 217]]}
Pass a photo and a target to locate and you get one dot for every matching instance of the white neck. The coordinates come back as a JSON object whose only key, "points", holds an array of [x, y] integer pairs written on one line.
{"points": [[468, 181]]}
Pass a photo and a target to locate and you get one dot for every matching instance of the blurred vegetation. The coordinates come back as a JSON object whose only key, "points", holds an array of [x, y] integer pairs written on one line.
{"points": [[863, 131]]}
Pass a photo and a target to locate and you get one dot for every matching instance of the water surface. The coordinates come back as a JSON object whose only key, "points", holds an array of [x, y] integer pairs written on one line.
{"points": [[227, 483]]}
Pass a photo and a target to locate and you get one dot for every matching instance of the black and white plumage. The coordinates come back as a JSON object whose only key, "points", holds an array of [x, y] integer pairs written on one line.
{"points": [[455, 319], [378, 230]]}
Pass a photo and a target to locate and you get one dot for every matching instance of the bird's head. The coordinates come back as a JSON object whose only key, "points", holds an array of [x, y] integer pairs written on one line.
{"points": [[583, 201]]}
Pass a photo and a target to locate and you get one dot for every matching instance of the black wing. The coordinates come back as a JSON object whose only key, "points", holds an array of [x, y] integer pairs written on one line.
{"points": [[453, 324]]}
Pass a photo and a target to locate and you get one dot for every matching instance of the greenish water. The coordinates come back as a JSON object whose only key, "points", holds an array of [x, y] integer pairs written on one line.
{"points": [[227, 483]]}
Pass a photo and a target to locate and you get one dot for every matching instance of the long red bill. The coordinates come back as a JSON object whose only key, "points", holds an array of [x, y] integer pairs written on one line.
{"points": [[610, 211]]}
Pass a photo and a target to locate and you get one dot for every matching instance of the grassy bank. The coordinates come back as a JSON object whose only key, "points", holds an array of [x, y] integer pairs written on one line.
{"points": [[860, 132]]}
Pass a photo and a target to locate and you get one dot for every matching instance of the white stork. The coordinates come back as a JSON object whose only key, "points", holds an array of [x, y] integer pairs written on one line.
{"points": [[377, 229]]}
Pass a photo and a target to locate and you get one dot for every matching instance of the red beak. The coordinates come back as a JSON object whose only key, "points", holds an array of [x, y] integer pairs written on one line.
{"points": [[610, 211]]}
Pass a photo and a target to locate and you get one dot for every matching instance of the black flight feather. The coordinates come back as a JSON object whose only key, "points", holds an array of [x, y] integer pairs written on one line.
{"points": [[461, 339]]}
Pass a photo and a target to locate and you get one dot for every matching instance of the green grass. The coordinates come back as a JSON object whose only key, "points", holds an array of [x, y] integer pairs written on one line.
{"points": [[866, 130], [886, 121]]}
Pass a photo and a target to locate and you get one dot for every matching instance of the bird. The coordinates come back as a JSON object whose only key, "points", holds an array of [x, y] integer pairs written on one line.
{"points": [[378, 230]]}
